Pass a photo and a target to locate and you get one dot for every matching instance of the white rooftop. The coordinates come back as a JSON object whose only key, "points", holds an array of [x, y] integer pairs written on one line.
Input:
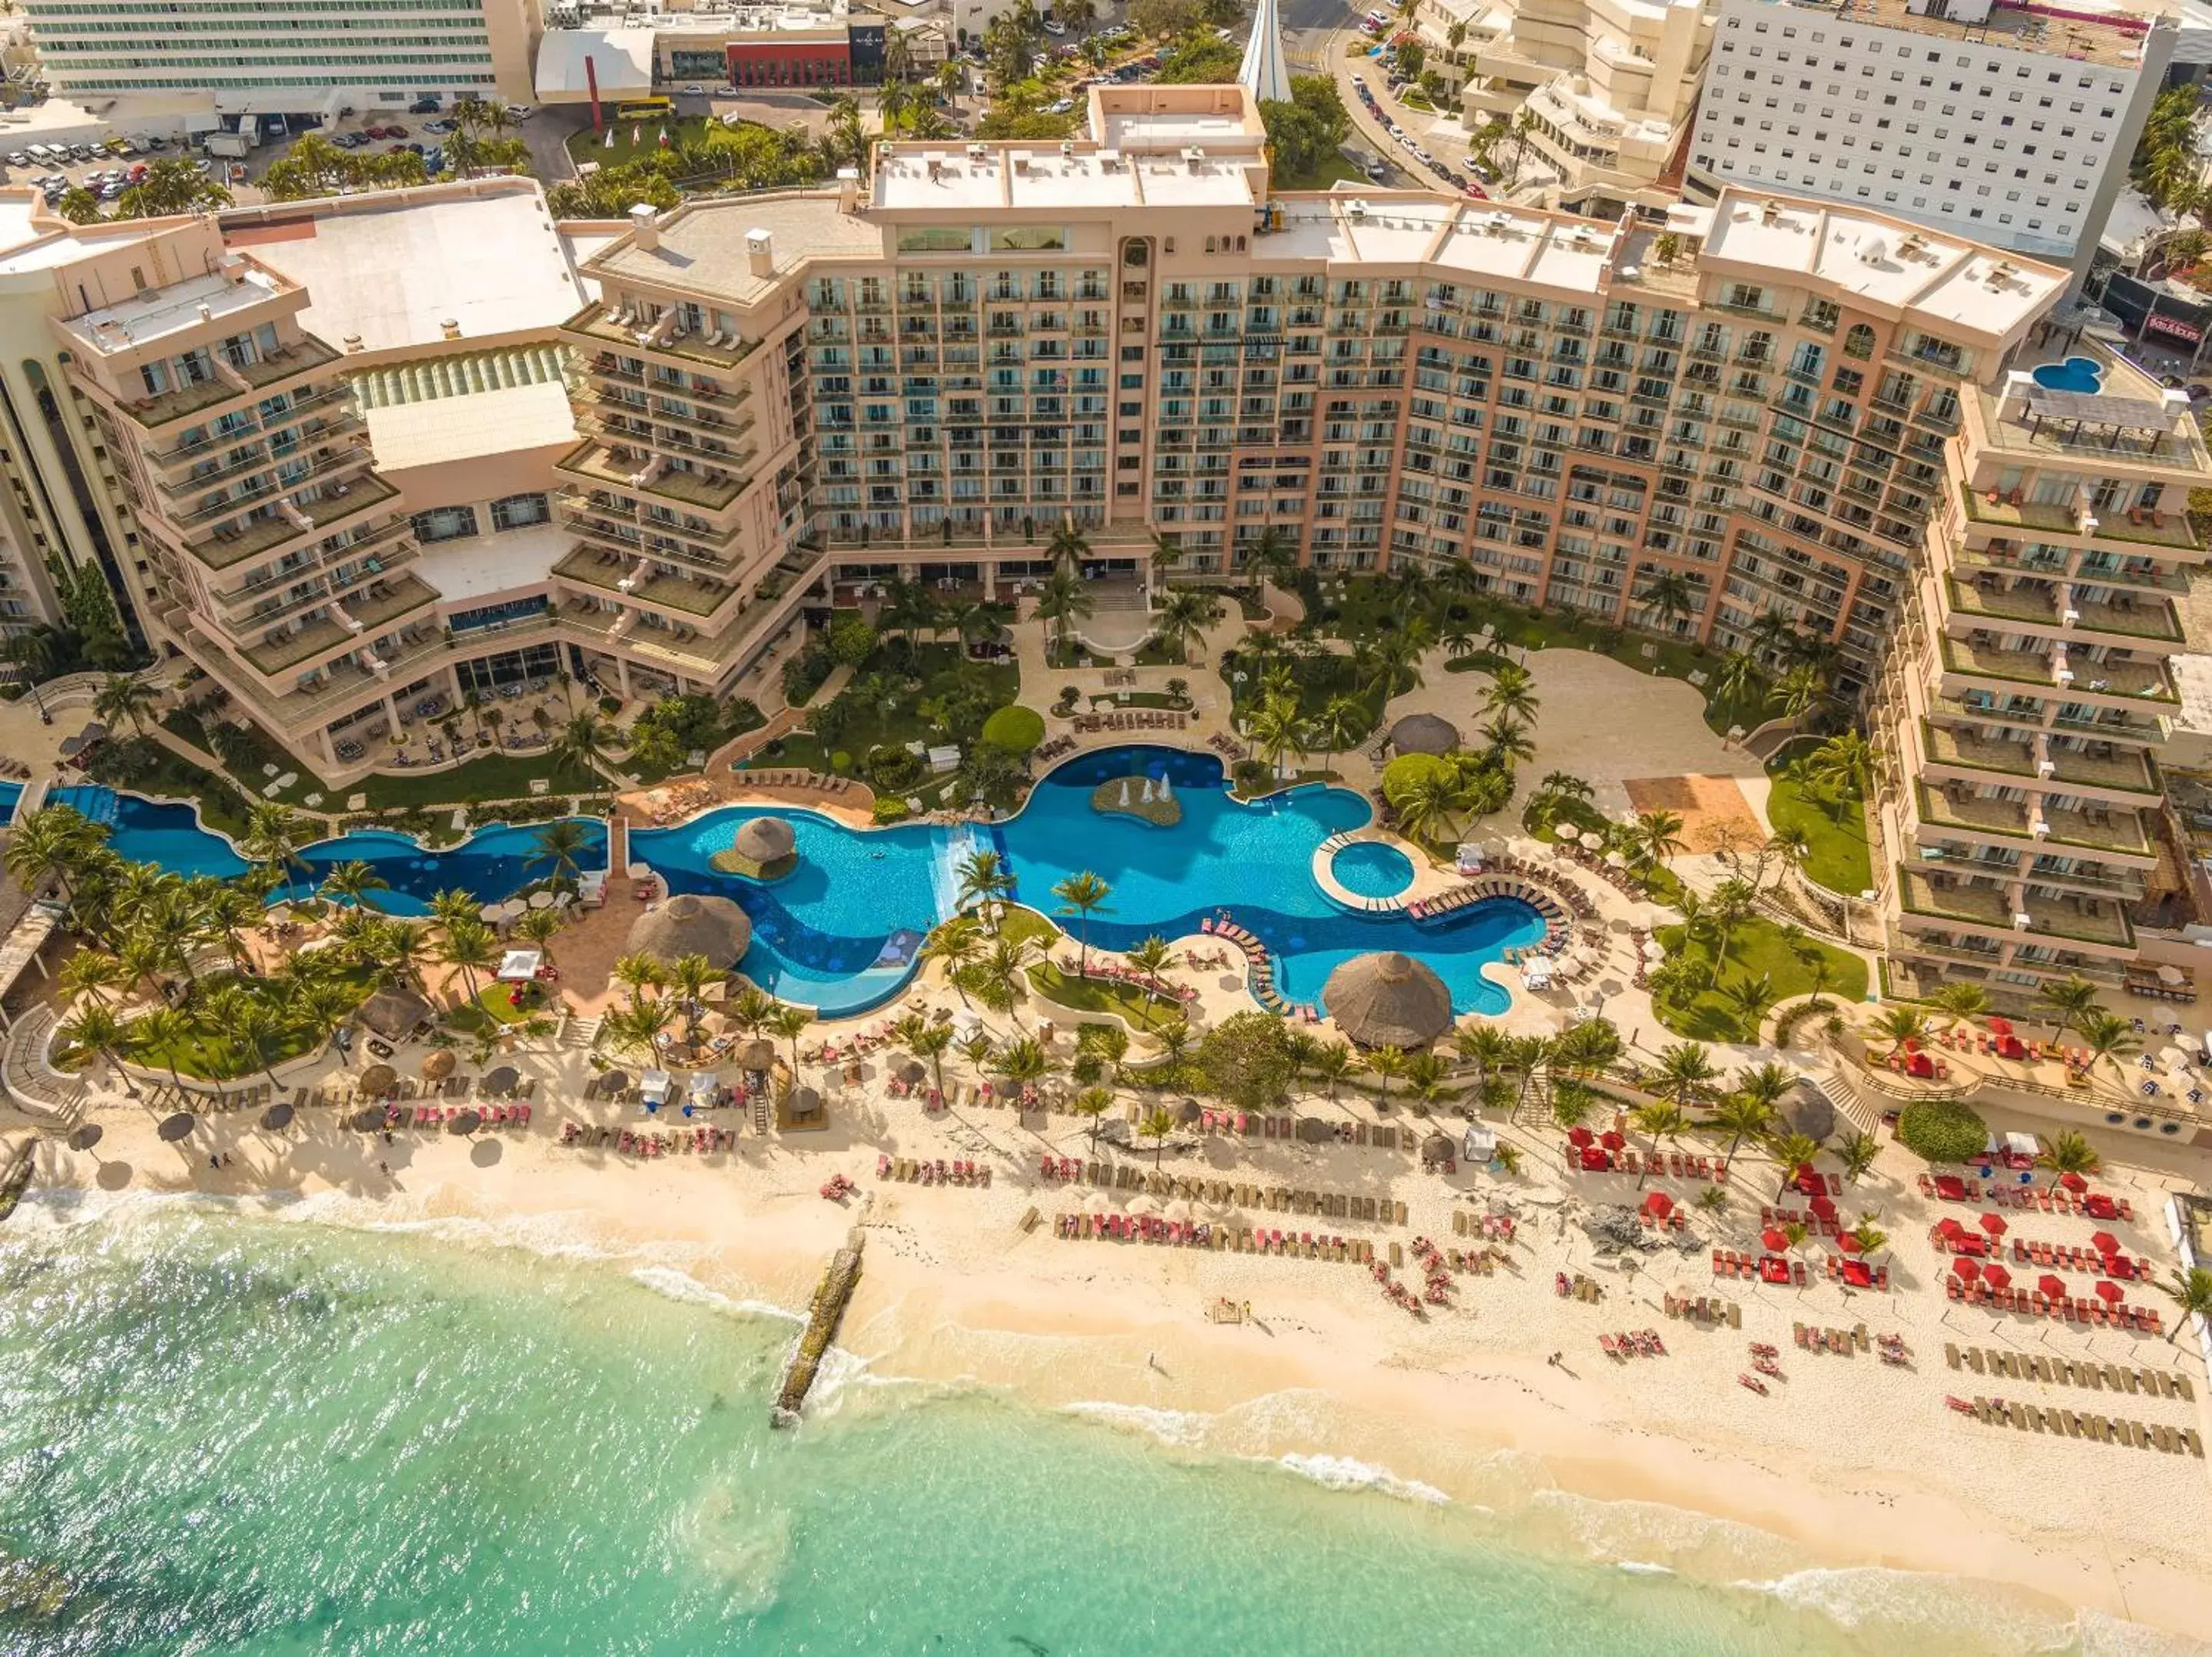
{"points": [[440, 429], [162, 311], [485, 565], [394, 273], [621, 57]]}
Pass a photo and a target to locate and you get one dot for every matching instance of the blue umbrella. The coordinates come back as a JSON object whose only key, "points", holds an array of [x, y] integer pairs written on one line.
{"points": [[652, 1106], [687, 1110]]}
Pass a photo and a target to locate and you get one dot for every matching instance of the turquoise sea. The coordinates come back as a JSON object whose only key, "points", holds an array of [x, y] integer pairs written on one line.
{"points": [[226, 1432]]}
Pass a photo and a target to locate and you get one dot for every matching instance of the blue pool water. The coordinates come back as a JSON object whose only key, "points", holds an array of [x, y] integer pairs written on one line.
{"points": [[840, 932], [1368, 868], [493, 863], [821, 932], [10, 793], [2077, 373]]}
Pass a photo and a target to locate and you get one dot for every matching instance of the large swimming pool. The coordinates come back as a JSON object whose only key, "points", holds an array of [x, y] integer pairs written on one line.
{"points": [[841, 932], [836, 933], [493, 864]]}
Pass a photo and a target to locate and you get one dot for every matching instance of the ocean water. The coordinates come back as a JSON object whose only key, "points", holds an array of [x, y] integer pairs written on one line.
{"points": [[224, 1431]]}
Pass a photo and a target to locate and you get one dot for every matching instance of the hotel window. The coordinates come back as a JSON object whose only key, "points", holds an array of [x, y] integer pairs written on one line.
{"points": [[1028, 239], [936, 239], [516, 512], [445, 524]]}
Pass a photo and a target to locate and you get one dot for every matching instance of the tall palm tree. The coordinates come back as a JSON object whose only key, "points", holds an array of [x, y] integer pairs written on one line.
{"points": [[471, 946], [2108, 1035], [1429, 805], [1792, 1151], [1656, 836], [957, 943], [1159, 1122], [2068, 1152], [124, 699], [97, 1029], [1022, 1062], [1797, 692], [1342, 721], [1063, 603], [1668, 596], [559, 844], [351, 883], [1273, 726], [2066, 1002], [1960, 1001], [90, 972], [260, 1031], [1184, 615], [1858, 1153], [2191, 1291], [1093, 1102], [1329, 1063], [164, 1030], [1739, 680], [1483, 1045], [1388, 1062], [985, 880], [1004, 967], [930, 1042], [1588, 1048], [1663, 1120], [687, 982], [1898, 1025], [1082, 895], [1740, 1116], [638, 973], [1685, 1075], [583, 743], [790, 1023], [1513, 693], [323, 1005], [1506, 743], [54, 843]]}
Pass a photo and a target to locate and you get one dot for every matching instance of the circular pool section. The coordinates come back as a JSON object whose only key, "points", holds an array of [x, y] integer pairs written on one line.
{"points": [[2077, 373], [1368, 868]]}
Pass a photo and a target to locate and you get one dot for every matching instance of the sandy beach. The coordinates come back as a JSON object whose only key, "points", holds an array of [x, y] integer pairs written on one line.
{"points": [[1855, 1463]]}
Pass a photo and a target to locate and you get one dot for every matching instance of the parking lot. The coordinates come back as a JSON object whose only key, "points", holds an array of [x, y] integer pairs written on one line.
{"points": [[105, 170]]}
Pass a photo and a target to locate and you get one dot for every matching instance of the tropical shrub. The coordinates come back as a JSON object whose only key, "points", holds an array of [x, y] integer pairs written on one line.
{"points": [[1942, 1130]]}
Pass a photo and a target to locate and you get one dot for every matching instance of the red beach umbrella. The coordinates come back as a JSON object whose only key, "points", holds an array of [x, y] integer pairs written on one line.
{"points": [[2109, 1292], [1966, 1270], [2104, 1242], [1579, 1137], [2000, 1026], [1659, 1203], [1997, 1276], [1825, 1207], [1775, 1238], [1994, 1224], [2074, 1182], [1949, 1226], [2054, 1287], [1612, 1141], [1848, 1243]]}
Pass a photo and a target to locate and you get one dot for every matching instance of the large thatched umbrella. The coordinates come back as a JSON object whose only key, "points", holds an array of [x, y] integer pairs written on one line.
{"points": [[1388, 1000], [690, 925], [378, 1080], [756, 1055], [1424, 733], [394, 1013], [763, 848], [437, 1065]]}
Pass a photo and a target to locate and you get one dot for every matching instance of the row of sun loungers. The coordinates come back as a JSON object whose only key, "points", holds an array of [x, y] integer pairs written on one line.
{"points": [[1998, 1412], [1145, 1228], [2064, 1257], [1134, 718], [1704, 1309], [910, 1170], [811, 780], [2071, 1372], [1728, 1263], [2085, 1308]]}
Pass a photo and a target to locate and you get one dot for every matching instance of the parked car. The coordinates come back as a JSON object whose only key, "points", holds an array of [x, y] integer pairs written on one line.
{"points": [[19, 158], [1054, 26], [1060, 106], [394, 129], [433, 160], [437, 126], [521, 112], [427, 105]]}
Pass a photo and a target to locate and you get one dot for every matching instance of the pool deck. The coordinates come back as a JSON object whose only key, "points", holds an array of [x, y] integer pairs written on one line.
{"points": [[1430, 879]]}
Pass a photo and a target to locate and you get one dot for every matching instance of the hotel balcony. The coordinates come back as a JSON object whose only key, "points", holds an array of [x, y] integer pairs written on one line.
{"points": [[229, 383], [343, 685], [2043, 713], [2039, 764], [2078, 680], [372, 611], [2076, 521], [2045, 604], [621, 529], [1954, 810], [601, 327], [226, 549], [594, 464], [633, 580], [2098, 922]]}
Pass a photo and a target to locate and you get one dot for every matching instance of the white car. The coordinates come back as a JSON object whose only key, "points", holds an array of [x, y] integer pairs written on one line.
{"points": [[1054, 26], [521, 112]]}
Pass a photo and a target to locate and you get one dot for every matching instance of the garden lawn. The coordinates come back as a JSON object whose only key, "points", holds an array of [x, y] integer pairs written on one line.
{"points": [[1571, 813], [207, 1055], [494, 776], [590, 146], [257, 751], [1755, 946], [491, 1012], [937, 667], [1141, 1009], [1840, 860]]}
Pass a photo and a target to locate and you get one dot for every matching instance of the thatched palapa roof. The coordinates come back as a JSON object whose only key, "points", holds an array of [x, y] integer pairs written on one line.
{"points": [[1388, 1000], [1424, 733], [690, 925], [393, 1013]]}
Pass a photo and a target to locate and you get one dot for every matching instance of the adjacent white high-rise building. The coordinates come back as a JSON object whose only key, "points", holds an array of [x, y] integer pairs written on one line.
{"points": [[286, 57], [2011, 125]]}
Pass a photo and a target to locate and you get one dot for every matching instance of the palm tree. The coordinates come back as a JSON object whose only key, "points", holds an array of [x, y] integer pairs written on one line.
{"points": [[1668, 597], [1425, 1078], [637, 973], [1004, 967], [984, 881], [1483, 1045], [1093, 1102], [1741, 1116], [1898, 1025], [1329, 1063], [1506, 743], [1961, 1001], [1739, 680], [1513, 693], [1082, 895], [53, 842], [121, 698], [92, 973], [350, 884], [1588, 1048], [1342, 721], [1792, 1151], [1656, 836], [2068, 1152], [1798, 691], [471, 946], [1527, 1056], [1571, 1102], [2191, 1291], [97, 1029], [1064, 602], [1159, 1122], [323, 1005], [1663, 1119], [1022, 1062], [1183, 615], [164, 1030], [1685, 1075], [1429, 805], [2065, 1001], [957, 944], [1750, 997], [2108, 1035], [687, 982], [1151, 957], [583, 742], [1386, 1062], [261, 1030], [1858, 1153], [559, 845], [538, 927], [399, 949], [1273, 726], [789, 1022], [930, 1042]]}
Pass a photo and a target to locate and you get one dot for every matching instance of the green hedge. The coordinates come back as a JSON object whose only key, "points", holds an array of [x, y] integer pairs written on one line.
{"points": [[1016, 729], [1942, 1130]]}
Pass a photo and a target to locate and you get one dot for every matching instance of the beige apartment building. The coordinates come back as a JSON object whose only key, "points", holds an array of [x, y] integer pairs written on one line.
{"points": [[650, 455]]}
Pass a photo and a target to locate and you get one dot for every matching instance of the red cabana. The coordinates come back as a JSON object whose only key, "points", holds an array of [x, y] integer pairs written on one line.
{"points": [[1772, 1268], [2000, 1026], [1775, 1238], [1595, 1161], [2110, 1292], [1920, 1064], [1857, 1274], [1806, 1180], [1997, 1276], [1825, 1207], [1950, 1187], [2104, 1242], [1848, 1243], [2119, 1266], [1579, 1137], [1966, 1270], [2008, 1047], [1992, 1224], [2100, 1208], [2074, 1182], [1660, 1204], [2054, 1287], [1612, 1141], [1949, 1226]]}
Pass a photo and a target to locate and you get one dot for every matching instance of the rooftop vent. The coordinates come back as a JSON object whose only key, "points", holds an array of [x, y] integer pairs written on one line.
{"points": [[1356, 210], [760, 253], [644, 227], [450, 328], [1108, 159], [1194, 158]]}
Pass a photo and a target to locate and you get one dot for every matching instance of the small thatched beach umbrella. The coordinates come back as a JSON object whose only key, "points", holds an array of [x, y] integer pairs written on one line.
{"points": [[437, 1066], [179, 1127], [1424, 733], [688, 924], [500, 1080], [910, 1072], [394, 1013], [378, 1080], [1388, 1000], [763, 848], [467, 1122], [278, 1115], [85, 1136], [756, 1055]]}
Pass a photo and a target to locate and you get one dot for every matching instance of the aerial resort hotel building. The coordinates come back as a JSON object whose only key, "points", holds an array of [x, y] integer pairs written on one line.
{"points": [[351, 456]]}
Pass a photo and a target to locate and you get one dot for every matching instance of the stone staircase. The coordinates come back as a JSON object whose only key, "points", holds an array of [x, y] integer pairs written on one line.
{"points": [[582, 1033]]}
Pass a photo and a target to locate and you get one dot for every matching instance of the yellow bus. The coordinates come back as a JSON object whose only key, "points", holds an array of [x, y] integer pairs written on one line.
{"points": [[645, 109]]}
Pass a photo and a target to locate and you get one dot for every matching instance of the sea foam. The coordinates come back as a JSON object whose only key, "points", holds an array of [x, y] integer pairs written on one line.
{"points": [[1184, 1429], [1343, 1472]]}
